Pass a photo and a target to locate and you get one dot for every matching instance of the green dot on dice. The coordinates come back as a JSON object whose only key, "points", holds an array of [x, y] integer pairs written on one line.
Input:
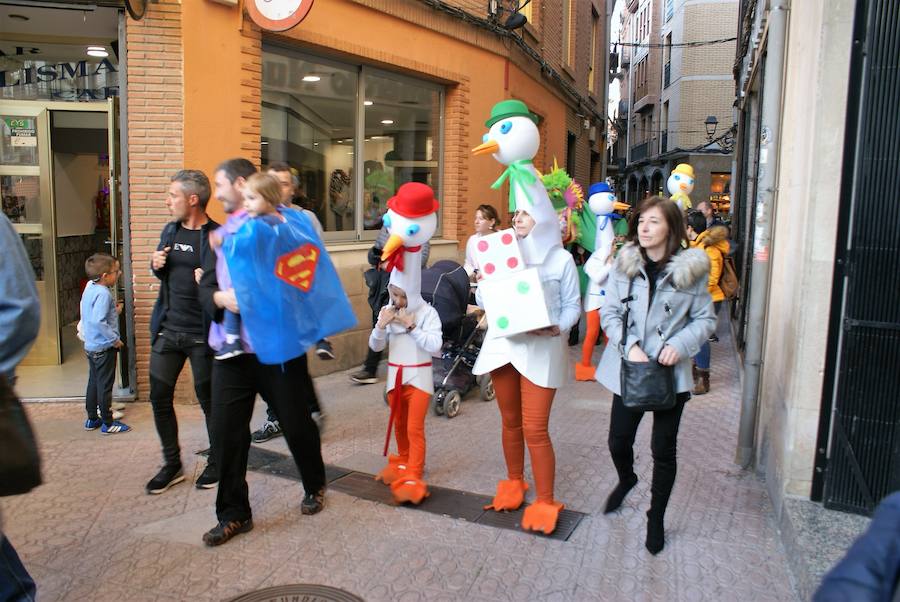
{"points": [[503, 322], [523, 288]]}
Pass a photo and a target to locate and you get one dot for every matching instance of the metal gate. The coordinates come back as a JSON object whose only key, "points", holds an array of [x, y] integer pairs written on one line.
{"points": [[858, 452]]}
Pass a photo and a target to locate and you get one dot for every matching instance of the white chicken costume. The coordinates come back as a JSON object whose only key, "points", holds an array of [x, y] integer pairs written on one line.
{"points": [[680, 185], [603, 203], [527, 368], [411, 220]]}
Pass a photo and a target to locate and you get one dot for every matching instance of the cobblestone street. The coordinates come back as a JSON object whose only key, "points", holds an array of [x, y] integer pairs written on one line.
{"points": [[91, 533]]}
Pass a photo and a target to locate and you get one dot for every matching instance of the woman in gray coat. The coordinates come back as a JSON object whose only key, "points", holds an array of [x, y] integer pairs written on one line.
{"points": [[671, 317]]}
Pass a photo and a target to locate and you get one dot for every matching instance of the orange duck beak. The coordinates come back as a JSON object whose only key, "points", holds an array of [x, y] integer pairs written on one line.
{"points": [[490, 146]]}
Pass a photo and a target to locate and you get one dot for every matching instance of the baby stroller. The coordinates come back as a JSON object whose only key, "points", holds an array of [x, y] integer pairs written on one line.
{"points": [[445, 285]]}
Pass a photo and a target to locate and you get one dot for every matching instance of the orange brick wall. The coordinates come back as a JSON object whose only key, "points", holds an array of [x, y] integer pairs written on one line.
{"points": [[155, 151]]}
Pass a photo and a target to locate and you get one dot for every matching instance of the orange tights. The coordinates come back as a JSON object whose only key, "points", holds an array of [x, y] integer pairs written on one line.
{"points": [[409, 428], [525, 413], [591, 334]]}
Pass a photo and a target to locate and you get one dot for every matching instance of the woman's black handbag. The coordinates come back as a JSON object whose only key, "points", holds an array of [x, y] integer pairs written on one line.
{"points": [[645, 386], [20, 462]]}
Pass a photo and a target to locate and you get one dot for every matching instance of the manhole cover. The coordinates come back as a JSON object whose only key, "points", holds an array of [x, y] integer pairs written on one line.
{"points": [[299, 593]]}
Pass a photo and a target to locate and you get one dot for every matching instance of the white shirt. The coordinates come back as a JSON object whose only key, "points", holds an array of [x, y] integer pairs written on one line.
{"points": [[541, 359], [411, 348], [471, 263]]}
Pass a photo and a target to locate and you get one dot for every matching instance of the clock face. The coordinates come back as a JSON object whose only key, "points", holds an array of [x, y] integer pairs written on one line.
{"points": [[278, 15]]}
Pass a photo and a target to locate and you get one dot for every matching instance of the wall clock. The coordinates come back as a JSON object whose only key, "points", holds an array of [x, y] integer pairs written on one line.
{"points": [[278, 15]]}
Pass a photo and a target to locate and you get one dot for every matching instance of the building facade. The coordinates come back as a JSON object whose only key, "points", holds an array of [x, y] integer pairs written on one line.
{"points": [[818, 245], [671, 89], [355, 114]]}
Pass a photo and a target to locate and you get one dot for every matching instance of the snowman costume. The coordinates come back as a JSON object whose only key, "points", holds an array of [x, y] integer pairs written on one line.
{"points": [[411, 220], [603, 203], [527, 368]]}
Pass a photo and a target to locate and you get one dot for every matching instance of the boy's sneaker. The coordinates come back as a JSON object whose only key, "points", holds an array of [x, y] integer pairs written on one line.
{"points": [[364, 377], [313, 503], [165, 478], [118, 406], [269, 430], [92, 424], [324, 350], [230, 350], [209, 478], [225, 530], [117, 415], [319, 418], [115, 428]]}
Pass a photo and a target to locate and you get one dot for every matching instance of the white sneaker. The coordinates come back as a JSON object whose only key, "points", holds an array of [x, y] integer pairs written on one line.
{"points": [[117, 415], [118, 405]]}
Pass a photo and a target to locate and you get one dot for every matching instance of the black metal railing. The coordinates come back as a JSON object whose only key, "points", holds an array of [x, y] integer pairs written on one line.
{"points": [[640, 151]]}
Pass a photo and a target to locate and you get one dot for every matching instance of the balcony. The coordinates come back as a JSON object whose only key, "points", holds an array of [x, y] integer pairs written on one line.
{"points": [[640, 151], [666, 74]]}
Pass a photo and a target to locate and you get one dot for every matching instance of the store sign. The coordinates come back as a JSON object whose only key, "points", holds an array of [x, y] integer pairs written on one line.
{"points": [[22, 131], [50, 73]]}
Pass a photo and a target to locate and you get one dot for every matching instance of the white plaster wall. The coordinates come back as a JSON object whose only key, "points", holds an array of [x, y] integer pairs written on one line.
{"points": [[803, 243]]}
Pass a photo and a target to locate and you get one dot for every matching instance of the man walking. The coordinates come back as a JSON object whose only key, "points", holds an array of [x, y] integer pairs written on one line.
{"points": [[179, 326], [236, 382]]}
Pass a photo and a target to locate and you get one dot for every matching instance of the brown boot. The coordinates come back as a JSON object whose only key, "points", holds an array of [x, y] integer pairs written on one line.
{"points": [[701, 382]]}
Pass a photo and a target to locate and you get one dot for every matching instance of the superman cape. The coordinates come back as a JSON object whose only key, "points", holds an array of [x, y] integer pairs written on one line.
{"points": [[286, 286]]}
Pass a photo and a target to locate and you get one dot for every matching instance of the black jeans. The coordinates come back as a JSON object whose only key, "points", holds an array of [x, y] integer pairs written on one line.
{"points": [[372, 359], [101, 376], [235, 384], [309, 397], [623, 426], [167, 359]]}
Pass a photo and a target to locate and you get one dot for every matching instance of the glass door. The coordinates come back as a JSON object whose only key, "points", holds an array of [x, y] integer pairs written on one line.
{"points": [[25, 192]]}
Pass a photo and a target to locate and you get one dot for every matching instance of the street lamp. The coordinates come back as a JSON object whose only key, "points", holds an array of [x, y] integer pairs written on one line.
{"points": [[711, 125]]}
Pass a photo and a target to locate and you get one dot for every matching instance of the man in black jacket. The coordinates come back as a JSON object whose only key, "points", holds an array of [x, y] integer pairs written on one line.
{"points": [[178, 326]]}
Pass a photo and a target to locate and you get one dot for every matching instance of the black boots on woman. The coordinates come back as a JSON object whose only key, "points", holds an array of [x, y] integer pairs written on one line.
{"points": [[618, 494]]}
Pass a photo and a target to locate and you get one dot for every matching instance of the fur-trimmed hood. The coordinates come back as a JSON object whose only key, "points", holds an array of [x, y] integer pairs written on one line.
{"points": [[686, 267], [714, 236]]}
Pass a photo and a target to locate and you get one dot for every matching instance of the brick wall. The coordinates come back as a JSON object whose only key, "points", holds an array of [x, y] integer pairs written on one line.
{"points": [[155, 151]]}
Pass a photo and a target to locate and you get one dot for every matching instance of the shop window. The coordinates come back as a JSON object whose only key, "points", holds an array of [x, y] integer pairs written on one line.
{"points": [[720, 192], [352, 133]]}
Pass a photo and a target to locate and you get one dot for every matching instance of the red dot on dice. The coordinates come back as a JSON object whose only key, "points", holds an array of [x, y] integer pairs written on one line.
{"points": [[507, 238], [482, 245], [489, 268], [512, 262]]}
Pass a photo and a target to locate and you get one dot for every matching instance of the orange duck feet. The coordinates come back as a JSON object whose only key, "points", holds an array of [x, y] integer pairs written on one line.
{"points": [[409, 489], [395, 468], [510, 495], [585, 372], [541, 516]]}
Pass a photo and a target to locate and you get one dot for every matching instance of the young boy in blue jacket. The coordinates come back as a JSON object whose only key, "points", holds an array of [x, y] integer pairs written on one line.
{"points": [[100, 328]]}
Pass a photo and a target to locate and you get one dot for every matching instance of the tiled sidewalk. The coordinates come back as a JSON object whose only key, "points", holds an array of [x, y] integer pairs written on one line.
{"points": [[90, 533]]}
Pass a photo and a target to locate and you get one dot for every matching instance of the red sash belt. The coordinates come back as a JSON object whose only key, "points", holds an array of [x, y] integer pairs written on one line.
{"points": [[394, 397]]}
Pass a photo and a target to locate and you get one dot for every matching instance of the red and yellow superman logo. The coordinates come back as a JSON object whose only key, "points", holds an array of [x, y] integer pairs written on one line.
{"points": [[298, 268]]}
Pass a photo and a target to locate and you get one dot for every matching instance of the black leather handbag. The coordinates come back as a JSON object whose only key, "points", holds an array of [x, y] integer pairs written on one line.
{"points": [[20, 462], [645, 386]]}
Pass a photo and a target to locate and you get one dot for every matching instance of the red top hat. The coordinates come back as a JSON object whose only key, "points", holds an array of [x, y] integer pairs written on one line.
{"points": [[413, 200]]}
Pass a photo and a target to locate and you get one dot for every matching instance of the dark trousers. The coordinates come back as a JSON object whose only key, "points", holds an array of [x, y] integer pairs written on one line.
{"points": [[371, 363], [15, 582], [235, 384], [167, 358], [308, 396], [623, 426], [101, 376]]}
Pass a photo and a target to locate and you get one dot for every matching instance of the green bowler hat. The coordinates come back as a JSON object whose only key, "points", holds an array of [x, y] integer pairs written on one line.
{"points": [[509, 108]]}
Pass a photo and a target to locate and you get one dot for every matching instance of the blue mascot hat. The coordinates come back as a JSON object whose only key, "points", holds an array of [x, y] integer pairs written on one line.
{"points": [[598, 188]]}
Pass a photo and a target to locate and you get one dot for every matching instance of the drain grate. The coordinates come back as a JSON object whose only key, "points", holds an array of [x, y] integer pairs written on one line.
{"points": [[452, 503], [303, 591]]}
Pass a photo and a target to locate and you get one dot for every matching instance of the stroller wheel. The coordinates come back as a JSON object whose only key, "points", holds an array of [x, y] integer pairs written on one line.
{"points": [[486, 385], [452, 402], [437, 402]]}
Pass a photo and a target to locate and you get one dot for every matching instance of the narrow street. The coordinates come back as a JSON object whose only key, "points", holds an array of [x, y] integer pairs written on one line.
{"points": [[90, 533]]}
